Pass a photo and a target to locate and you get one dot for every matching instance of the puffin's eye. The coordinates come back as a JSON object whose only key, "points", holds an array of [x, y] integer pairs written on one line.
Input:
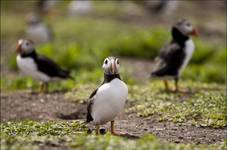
{"points": [[106, 61], [188, 24], [118, 62]]}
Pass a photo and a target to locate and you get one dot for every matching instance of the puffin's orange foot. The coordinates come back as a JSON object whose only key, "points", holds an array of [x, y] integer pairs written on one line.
{"points": [[113, 129], [43, 88], [117, 134], [182, 90]]}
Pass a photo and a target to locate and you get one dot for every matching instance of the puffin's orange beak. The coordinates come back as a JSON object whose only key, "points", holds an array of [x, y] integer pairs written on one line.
{"points": [[113, 68], [195, 33], [18, 49]]}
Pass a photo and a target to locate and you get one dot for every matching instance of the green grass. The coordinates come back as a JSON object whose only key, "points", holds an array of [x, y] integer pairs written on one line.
{"points": [[80, 77], [82, 44], [205, 106], [31, 134]]}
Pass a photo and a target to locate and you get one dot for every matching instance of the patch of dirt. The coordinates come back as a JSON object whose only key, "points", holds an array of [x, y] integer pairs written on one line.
{"points": [[167, 131], [23, 105]]}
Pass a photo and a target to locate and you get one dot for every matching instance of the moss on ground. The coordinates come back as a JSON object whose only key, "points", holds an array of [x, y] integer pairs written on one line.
{"points": [[204, 105], [33, 135]]}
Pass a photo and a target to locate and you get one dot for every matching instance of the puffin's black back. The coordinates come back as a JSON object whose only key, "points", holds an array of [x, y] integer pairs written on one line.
{"points": [[47, 66], [51, 68], [172, 55]]}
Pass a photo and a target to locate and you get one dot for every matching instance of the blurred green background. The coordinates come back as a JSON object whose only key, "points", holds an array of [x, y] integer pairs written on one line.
{"points": [[135, 33], [120, 28]]}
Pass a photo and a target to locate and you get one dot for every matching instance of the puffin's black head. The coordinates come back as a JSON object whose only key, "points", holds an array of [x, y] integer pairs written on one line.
{"points": [[25, 46], [111, 65], [185, 27]]}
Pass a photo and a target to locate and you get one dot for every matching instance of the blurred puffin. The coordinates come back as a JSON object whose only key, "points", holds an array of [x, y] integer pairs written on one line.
{"points": [[79, 7], [36, 66], [109, 99], [174, 57], [45, 7], [38, 31]]}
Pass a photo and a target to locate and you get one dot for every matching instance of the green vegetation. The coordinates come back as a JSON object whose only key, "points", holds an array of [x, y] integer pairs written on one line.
{"points": [[204, 105], [30, 134], [81, 45]]}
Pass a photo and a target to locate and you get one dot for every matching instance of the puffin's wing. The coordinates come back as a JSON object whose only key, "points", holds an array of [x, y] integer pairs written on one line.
{"points": [[89, 106], [169, 50], [163, 61], [50, 68]]}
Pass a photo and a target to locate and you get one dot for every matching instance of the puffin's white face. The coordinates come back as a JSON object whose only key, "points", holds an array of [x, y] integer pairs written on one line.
{"points": [[186, 28], [25, 46], [32, 19], [111, 65]]}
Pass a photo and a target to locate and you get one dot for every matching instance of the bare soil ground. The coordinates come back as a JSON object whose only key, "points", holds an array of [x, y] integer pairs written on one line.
{"points": [[53, 106]]}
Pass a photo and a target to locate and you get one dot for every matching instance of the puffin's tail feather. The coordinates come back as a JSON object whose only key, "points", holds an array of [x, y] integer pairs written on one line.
{"points": [[154, 74], [65, 74], [89, 118]]}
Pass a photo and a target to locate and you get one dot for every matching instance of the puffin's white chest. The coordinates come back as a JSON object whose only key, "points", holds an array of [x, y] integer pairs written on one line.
{"points": [[38, 33], [109, 101], [189, 49], [29, 68]]}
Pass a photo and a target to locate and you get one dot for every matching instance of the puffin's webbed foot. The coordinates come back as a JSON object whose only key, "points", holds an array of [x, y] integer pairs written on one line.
{"points": [[113, 130], [44, 87], [97, 130], [167, 88], [181, 90]]}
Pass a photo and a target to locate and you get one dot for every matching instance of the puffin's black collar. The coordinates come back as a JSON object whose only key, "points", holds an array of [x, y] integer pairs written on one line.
{"points": [[110, 77], [179, 37], [33, 54]]}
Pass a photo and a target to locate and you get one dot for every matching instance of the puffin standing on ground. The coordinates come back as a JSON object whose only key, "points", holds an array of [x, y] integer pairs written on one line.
{"points": [[108, 100], [36, 66], [174, 57], [37, 30]]}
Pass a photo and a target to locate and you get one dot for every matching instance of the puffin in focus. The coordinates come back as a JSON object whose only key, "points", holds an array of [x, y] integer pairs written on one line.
{"points": [[175, 56], [107, 100], [37, 30], [36, 66]]}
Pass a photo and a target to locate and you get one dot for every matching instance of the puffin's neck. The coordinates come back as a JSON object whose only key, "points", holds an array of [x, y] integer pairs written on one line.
{"points": [[178, 37], [109, 77], [32, 54]]}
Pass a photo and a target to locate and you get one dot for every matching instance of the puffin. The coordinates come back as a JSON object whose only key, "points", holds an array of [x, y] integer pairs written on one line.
{"points": [[45, 7], [37, 30], [37, 66], [108, 100], [174, 57], [77, 8]]}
